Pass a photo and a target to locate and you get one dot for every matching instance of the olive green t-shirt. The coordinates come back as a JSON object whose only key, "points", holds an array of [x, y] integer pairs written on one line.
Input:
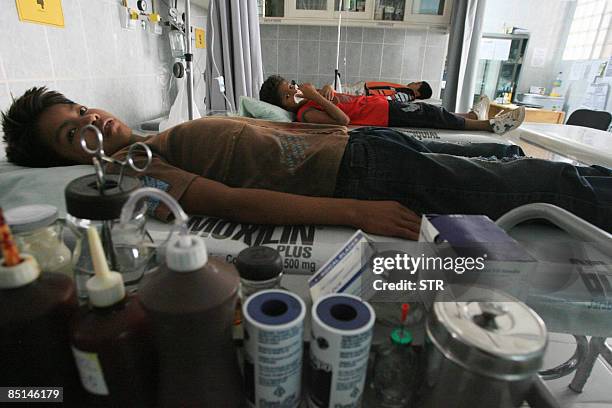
{"points": [[294, 158]]}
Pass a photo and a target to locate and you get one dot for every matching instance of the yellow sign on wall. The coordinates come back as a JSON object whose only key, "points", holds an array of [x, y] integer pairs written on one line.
{"points": [[41, 11], [200, 38]]}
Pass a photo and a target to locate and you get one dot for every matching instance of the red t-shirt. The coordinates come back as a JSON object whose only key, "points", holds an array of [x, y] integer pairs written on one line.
{"points": [[362, 110]]}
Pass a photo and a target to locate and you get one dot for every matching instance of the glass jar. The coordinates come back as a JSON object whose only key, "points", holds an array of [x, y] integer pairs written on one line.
{"points": [[395, 371], [126, 247], [92, 203], [38, 231], [260, 268]]}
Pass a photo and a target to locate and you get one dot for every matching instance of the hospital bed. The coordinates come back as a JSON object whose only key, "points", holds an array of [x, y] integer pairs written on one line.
{"points": [[21, 186]]}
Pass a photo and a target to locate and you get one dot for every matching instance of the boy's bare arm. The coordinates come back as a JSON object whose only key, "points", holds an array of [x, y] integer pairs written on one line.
{"points": [[331, 114], [258, 206]]}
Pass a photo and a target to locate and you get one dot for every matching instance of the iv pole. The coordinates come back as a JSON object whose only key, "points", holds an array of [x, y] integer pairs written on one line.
{"points": [[336, 71], [188, 59]]}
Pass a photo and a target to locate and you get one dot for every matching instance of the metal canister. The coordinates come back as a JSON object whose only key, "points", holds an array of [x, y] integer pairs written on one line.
{"points": [[484, 350]]}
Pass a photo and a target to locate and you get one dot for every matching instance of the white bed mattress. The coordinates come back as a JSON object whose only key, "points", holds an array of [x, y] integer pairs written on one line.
{"points": [[21, 186]]}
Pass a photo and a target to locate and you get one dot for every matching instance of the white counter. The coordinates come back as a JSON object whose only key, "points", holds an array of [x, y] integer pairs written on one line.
{"points": [[566, 143]]}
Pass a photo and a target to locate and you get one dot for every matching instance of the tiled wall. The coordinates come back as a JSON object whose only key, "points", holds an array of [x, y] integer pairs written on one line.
{"points": [[308, 54], [93, 60]]}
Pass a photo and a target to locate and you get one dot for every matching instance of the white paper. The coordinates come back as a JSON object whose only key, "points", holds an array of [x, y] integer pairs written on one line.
{"points": [[494, 49], [344, 271], [538, 58], [595, 97], [578, 70]]}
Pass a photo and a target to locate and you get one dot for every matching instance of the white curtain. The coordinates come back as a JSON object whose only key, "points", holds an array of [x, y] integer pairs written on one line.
{"points": [[233, 52], [465, 34]]}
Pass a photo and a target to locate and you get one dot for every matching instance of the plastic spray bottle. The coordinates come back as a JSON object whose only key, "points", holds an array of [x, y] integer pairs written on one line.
{"points": [[35, 311], [191, 300], [111, 340], [556, 90]]}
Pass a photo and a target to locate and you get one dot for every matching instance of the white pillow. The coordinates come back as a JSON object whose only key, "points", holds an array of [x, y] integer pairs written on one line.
{"points": [[253, 108], [25, 185]]}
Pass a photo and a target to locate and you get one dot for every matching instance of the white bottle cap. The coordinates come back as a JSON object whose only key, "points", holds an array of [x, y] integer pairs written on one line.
{"points": [[25, 272], [106, 287], [186, 253], [297, 97]]}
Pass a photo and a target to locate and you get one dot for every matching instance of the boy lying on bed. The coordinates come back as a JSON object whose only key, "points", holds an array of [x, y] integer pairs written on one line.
{"points": [[399, 110], [253, 171]]}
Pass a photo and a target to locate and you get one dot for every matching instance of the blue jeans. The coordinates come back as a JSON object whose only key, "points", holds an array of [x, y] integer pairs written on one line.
{"points": [[445, 178]]}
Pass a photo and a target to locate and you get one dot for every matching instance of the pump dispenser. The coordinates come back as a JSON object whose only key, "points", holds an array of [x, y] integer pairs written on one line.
{"points": [[111, 340], [35, 311], [191, 300]]}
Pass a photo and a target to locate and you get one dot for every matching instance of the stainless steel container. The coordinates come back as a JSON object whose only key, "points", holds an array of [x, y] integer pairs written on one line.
{"points": [[484, 350]]}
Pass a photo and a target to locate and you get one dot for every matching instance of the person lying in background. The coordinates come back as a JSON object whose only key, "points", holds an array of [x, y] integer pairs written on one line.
{"points": [[407, 92], [253, 171], [400, 110]]}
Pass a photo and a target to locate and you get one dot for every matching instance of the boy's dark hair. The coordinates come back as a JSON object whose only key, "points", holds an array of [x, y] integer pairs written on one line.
{"points": [[425, 90], [22, 131], [269, 91]]}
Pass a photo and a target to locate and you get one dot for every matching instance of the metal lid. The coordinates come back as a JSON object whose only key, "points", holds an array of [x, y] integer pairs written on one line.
{"points": [[30, 217], [488, 332], [85, 200], [259, 263]]}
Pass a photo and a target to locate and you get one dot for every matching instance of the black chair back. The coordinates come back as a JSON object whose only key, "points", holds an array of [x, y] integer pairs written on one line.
{"points": [[590, 118]]}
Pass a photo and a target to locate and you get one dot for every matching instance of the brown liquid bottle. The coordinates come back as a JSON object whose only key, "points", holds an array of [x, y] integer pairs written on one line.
{"points": [[35, 311], [191, 301], [111, 340]]}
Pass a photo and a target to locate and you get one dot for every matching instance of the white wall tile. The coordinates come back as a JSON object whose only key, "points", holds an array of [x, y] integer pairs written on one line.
{"points": [[432, 68], [362, 55], [371, 61], [2, 73], [5, 99], [391, 61], [24, 47], [17, 88], [412, 62], [394, 35], [101, 36], [67, 46], [327, 58], [437, 38], [86, 57]]}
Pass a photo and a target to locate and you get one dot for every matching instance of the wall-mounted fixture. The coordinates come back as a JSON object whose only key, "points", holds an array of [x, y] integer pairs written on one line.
{"points": [[139, 17], [41, 11]]}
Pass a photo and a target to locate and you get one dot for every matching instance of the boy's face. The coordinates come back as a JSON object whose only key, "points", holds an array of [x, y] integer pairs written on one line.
{"points": [[415, 86], [60, 127], [287, 92]]}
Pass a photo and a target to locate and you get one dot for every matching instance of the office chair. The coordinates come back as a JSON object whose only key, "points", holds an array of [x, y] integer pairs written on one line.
{"points": [[590, 118]]}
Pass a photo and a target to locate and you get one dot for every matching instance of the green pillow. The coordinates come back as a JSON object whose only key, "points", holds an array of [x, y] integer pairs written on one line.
{"points": [[253, 108]]}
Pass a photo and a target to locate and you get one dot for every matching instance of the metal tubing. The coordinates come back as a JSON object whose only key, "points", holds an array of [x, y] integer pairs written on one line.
{"points": [[582, 348], [586, 366], [575, 226]]}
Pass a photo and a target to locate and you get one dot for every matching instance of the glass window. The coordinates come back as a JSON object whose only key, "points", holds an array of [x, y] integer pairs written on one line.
{"points": [[589, 30], [358, 6], [311, 5], [433, 7], [271, 8], [389, 10]]}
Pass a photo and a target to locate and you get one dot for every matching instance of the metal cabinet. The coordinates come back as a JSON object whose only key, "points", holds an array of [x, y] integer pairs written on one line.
{"points": [[368, 12], [499, 68]]}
